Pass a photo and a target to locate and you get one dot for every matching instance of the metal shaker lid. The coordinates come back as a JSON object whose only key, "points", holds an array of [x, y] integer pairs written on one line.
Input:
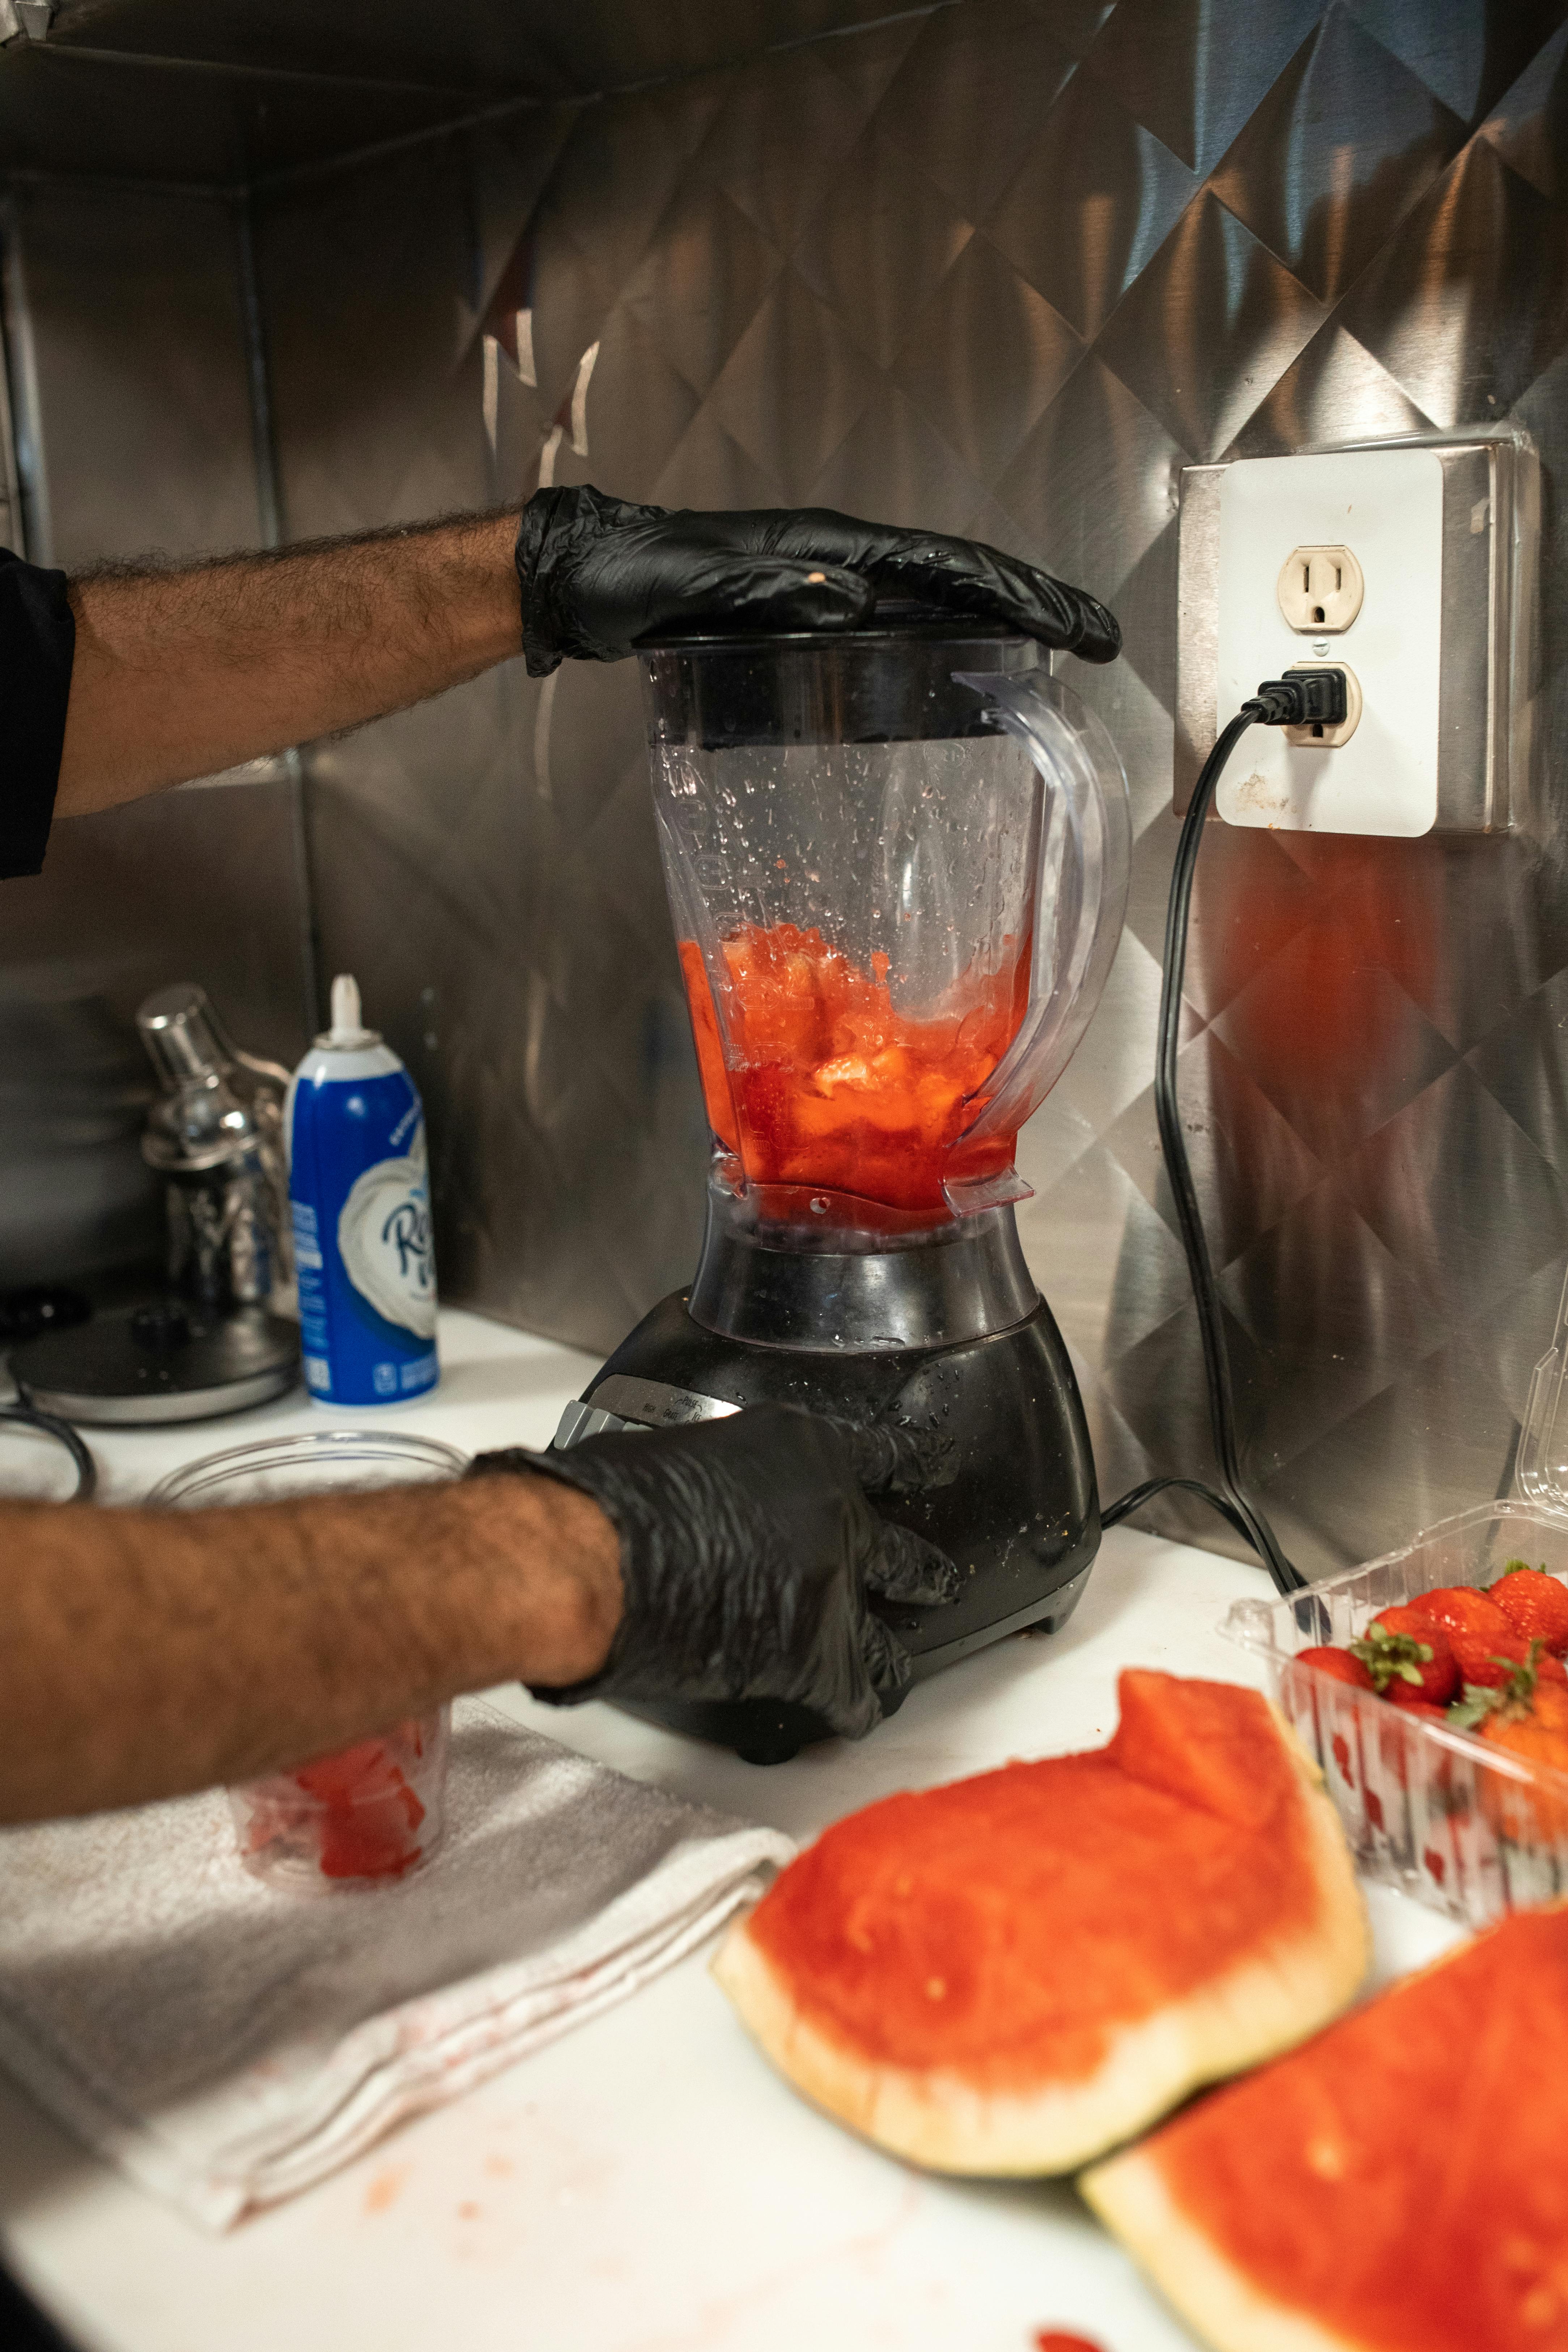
{"points": [[201, 1127], [186, 1040], [202, 1119]]}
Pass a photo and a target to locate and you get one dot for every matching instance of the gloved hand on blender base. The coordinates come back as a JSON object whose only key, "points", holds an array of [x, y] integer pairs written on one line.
{"points": [[600, 575], [747, 1552]]}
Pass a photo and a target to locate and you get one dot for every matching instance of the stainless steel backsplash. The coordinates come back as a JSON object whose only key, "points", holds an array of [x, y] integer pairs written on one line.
{"points": [[129, 392], [1002, 268]]}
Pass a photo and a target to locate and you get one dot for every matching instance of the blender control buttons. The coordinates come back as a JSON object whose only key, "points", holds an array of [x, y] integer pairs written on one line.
{"points": [[622, 1401], [579, 1419], [656, 1402]]}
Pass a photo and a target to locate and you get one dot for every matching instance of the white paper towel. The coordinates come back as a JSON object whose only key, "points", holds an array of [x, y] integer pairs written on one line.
{"points": [[229, 2046]]}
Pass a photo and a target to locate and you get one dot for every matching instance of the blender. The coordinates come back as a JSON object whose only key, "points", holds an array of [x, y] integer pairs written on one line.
{"points": [[897, 861]]}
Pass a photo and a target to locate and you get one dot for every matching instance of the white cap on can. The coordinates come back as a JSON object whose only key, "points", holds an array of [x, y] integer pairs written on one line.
{"points": [[348, 1030]]}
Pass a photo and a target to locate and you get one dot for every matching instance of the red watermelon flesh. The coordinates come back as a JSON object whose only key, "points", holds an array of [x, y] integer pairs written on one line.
{"points": [[1011, 1972], [1395, 2186]]}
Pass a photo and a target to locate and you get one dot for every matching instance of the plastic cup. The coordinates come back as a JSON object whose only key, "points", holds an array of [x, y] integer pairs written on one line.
{"points": [[365, 1816], [368, 1816]]}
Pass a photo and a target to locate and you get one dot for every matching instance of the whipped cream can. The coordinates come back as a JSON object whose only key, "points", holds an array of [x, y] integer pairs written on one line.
{"points": [[359, 1191]]}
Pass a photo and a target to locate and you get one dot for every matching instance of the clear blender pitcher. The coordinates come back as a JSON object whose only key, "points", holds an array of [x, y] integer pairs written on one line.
{"points": [[897, 864]]}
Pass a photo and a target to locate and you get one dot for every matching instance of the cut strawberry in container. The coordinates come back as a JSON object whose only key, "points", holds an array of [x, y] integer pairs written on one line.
{"points": [[1472, 1821], [1408, 1655], [1488, 1662], [1410, 1701], [1530, 1812], [1534, 1603], [1466, 1808], [1463, 1613], [1344, 1665]]}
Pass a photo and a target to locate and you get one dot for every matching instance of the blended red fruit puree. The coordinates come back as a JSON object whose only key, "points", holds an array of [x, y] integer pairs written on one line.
{"points": [[1003, 1928], [828, 1085], [1400, 2179]]}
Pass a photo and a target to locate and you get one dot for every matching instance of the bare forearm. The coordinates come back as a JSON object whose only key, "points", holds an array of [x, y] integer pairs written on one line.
{"points": [[181, 673], [144, 1655]]}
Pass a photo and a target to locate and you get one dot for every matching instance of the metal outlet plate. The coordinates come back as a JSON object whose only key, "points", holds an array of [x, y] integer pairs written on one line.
{"points": [[1472, 771]]}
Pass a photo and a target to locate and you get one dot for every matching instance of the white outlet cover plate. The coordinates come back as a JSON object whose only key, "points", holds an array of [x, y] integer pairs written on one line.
{"points": [[1387, 505]]}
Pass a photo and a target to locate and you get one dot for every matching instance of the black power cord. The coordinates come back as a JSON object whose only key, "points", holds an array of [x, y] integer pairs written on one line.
{"points": [[47, 1425], [1302, 698]]}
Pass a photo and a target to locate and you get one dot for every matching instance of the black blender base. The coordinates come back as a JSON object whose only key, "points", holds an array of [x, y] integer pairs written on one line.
{"points": [[1021, 1515], [760, 1731]]}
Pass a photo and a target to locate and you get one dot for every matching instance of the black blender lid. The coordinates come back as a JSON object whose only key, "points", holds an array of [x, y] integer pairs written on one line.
{"points": [[897, 678], [891, 617]]}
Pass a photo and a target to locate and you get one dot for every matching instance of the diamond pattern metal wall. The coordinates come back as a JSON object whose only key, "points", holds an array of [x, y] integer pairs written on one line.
{"points": [[1004, 268], [127, 343]]}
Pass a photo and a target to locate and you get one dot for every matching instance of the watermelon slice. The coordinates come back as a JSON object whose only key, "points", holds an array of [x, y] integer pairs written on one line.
{"points": [[1013, 1973], [1397, 2186]]}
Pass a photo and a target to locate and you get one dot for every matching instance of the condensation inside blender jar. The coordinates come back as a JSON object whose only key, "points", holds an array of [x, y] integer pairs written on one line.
{"points": [[857, 933]]}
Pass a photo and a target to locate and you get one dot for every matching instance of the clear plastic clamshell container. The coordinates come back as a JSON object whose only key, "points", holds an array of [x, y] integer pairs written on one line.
{"points": [[1461, 1824]]}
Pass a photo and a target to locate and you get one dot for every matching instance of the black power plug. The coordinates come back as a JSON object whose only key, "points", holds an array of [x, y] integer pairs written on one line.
{"points": [[1325, 698], [1302, 698]]}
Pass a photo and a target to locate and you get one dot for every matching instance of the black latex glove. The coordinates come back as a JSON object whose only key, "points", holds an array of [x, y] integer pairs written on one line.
{"points": [[599, 575], [747, 1551]]}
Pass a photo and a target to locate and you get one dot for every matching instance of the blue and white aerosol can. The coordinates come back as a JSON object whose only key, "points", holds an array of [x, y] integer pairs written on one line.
{"points": [[359, 1187]]}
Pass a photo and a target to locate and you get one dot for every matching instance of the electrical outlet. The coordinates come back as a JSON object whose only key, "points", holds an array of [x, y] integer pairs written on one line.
{"points": [[1320, 590], [1420, 555], [1328, 734]]}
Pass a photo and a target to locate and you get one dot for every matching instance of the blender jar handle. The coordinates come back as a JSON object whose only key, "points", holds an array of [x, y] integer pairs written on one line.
{"points": [[1081, 878]]}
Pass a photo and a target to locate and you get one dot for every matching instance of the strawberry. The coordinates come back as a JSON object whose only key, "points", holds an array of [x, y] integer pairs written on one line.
{"points": [[1534, 1603], [1530, 1721], [1526, 1813], [1397, 1752], [1486, 1645], [1462, 1611], [1519, 1684], [1403, 1650], [1342, 1664], [1486, 1665], [1410, 1701]]}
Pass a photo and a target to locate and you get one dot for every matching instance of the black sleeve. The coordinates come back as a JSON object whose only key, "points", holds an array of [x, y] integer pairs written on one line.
{"points": [[38, 641]]}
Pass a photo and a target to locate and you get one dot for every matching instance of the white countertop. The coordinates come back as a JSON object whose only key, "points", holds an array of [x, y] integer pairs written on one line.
{"points": [[647, 2184]]}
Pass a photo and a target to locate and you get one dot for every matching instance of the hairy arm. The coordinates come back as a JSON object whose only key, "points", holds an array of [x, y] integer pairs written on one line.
{"points": [[182, 672], [146, 1653]]}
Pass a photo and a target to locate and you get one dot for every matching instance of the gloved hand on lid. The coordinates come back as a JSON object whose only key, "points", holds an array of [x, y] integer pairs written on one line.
{"points": [[599, 576], [747, 1551]]}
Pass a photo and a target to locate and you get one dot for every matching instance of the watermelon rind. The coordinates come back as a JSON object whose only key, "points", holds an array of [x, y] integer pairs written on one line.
{"points": [[945, 2123], [1129, 2194]]}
